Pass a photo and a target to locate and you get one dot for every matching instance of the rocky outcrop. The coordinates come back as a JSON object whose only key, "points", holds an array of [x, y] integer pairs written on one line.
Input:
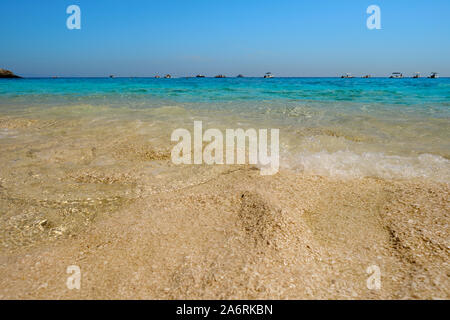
{"points": [[7, 74]]}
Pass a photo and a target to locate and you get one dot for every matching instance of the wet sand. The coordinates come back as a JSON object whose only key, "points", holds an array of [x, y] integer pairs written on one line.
{"points": [[106, 197]]}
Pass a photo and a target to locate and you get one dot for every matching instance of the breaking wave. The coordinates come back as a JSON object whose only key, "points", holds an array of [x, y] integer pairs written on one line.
{"points": [[347, 164]]}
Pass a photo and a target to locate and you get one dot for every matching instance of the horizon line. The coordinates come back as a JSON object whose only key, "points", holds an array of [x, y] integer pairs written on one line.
{"points": [[212, 77]]}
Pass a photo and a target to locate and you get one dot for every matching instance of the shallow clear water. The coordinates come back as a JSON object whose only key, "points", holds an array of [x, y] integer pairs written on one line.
{"points": [[391, 128]]}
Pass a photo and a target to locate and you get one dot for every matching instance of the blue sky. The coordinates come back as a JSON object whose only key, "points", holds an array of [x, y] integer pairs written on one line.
{"points": [[288, 38]]}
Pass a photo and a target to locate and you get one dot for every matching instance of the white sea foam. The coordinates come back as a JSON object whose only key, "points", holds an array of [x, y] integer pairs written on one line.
{"points": [[347, 164]]}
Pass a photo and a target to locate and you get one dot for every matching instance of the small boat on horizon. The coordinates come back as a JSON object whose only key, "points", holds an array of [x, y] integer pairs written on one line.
{"points": [[167, 76], [200, 76], [220, 76], [239, 76], [157, 77], [396, 75], [367, 76], [111, 76], [416, 75], [434, 75], [347, 76], [268, 75]]}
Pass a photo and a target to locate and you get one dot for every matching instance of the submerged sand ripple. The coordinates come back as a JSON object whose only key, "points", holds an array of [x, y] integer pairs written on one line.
{"points": [[111, 202]]}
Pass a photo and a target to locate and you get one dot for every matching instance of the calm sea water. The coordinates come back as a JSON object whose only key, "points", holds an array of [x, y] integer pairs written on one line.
{"points": [[357, 127], [406, 92]]}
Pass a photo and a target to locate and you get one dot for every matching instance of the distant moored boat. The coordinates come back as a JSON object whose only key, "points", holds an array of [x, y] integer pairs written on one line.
{"points": [[396, 75], [167, 76], [367, 76], [220, 76], [416, 75], [347, 76], [239, 76], [434, 75], [200, 76], [268, 75]]}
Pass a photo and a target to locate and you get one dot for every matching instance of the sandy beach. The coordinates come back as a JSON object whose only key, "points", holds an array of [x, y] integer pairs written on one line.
{"points": [[227, 151], [106, 197]]}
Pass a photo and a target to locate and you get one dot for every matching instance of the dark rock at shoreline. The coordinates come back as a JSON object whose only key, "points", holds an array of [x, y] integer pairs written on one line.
{"points": [[7, 74]]}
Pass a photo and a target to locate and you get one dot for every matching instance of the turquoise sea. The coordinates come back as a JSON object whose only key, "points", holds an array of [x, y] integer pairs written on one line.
{"points": [[423, 92], [392, 128]]}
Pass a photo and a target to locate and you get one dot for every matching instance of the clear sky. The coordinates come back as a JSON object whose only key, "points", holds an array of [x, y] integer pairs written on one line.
{"points": [[287, 38]]}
